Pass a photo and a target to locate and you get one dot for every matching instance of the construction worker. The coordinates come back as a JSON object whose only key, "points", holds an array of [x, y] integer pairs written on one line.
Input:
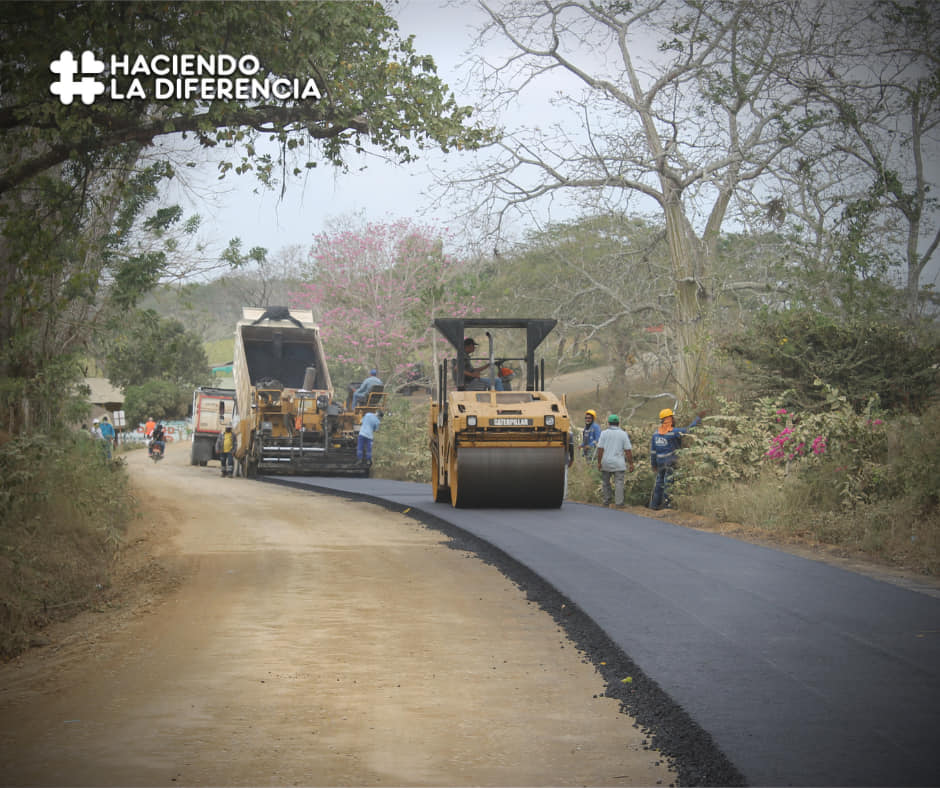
{"points": [[225, 446], [370, 423], [614, 453], [590, 434], [107, 435], [361, 395], [666, 441]]}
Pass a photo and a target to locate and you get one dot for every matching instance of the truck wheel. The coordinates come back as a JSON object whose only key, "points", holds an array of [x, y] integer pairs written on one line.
{"points": [[201, 451]]}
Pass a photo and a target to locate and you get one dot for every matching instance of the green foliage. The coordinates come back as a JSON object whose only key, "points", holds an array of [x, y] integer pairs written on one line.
{"points": [[153, 348], [836, 475], [401, 444], [58, 382], [162, 399], [603, 277], [793, 349], [63, 511], [77, 244], [372, 82]]}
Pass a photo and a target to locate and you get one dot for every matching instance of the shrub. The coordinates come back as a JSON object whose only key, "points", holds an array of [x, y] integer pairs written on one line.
{"points": [[401, 444], [63, 510], [865, 358], [839, 477]]}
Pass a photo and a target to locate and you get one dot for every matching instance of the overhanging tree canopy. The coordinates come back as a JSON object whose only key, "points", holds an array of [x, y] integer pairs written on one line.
{"points": [[76, 179], [372, 82]]}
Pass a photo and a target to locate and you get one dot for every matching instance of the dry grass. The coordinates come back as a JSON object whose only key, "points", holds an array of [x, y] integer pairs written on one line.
{"points": [[63, 509]]}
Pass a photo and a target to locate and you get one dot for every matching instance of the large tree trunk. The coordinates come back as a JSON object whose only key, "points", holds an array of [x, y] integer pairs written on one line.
{"points": [[692, 347]]}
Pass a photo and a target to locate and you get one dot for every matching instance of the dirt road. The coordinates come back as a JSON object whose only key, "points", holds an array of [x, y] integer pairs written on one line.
{"points": [[259, 635]]}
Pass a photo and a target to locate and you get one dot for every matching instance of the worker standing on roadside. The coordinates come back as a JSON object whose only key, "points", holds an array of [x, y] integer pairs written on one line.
{"points": [[225, 446], [148, 427], [590, 434], [107, 435], [370, 423], [614, 453], [666, 441]]}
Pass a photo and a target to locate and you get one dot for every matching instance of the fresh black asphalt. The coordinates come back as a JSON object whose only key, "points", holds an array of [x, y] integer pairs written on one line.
{"points": [[749, 665]]}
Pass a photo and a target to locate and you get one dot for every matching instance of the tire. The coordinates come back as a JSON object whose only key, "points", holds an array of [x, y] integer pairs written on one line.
{"points": [[201, 451], [440, 491]]}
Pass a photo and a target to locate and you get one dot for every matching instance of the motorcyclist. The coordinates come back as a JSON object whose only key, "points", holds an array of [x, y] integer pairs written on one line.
{"points": [[158, 438]]}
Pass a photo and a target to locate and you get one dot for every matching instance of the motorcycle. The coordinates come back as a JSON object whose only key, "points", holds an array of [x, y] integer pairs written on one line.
{"points": [[156, 450]]}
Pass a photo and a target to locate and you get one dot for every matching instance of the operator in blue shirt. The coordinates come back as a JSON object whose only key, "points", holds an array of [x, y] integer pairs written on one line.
{"points": [[361, 394]]}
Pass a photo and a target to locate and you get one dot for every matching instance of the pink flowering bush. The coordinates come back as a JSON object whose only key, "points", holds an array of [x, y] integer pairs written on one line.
{"points": [[740, 445], [835, 476]]}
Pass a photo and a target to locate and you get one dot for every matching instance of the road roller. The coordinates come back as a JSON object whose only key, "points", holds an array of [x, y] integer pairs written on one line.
{"points": [[492, 447]]}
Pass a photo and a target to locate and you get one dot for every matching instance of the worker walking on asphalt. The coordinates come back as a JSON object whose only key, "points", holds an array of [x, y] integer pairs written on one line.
{"points": [[370, 423], [666, 441], [614, 453]]}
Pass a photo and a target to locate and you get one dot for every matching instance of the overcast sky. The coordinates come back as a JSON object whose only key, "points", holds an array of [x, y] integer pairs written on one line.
{"points": [[382, 191]]}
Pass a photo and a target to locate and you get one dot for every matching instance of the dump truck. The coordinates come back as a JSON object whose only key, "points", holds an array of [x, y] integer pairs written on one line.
{"points": [[213, 409], [494, 448], [288, 421]]}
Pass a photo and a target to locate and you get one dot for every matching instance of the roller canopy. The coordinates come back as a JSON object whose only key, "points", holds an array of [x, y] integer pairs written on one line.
{"points": [[454, 328]]}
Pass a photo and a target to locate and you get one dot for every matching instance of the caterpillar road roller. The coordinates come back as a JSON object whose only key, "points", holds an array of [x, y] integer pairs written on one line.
{"points": [[288, 421], [492, 447]]}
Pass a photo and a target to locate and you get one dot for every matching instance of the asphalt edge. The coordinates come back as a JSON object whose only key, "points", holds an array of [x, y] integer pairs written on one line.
{"points": [[688, 748]]}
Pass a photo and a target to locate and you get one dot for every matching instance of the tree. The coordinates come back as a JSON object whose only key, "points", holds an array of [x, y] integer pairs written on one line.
{"points": [[865, 173], [798, 350], [151, 348], [375, 290], [602, 277], [160, 399], [695, 129], [76, 179], [371, 83]]}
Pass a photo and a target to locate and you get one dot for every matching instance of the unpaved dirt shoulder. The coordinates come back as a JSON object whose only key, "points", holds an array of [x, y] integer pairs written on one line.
{"points": [[259, 635]]}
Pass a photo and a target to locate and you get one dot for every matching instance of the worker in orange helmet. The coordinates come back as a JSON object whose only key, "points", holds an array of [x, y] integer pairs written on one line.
{"points": [[667, 440]]}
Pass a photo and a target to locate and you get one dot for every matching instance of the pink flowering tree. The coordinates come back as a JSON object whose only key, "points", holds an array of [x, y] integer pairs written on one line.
{"points": [[375, 290]]}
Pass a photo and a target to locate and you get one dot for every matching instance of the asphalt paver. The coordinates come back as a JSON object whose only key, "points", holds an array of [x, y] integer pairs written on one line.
{"points": [[796, 671]]}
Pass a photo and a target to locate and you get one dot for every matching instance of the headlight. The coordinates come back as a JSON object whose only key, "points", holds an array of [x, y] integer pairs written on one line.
{"points": [[549, 421], [471, 421]]}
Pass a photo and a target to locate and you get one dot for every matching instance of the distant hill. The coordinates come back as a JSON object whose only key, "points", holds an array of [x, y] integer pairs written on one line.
{"points": [[211, 309]]}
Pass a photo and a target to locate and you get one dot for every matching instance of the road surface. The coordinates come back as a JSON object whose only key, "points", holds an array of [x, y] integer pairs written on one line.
{"points": [[799, 672], [260, 635]]}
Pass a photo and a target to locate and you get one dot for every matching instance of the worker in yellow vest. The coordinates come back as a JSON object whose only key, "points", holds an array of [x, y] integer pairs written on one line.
{"points": [[225, 446]]}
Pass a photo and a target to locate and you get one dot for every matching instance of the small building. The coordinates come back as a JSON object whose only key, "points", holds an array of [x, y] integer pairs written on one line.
{"points": [[105, 398]]}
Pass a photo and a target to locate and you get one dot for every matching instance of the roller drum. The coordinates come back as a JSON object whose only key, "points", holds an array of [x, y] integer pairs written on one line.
{"points": [[531, 478]]}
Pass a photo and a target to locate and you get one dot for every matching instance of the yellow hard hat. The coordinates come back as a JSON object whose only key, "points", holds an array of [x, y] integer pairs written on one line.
{"points": [[592, 413], [664, 413]]}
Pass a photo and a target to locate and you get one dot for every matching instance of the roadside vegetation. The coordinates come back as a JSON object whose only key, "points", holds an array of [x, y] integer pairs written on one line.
{"points": [[778, 279], [64, 509]]}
